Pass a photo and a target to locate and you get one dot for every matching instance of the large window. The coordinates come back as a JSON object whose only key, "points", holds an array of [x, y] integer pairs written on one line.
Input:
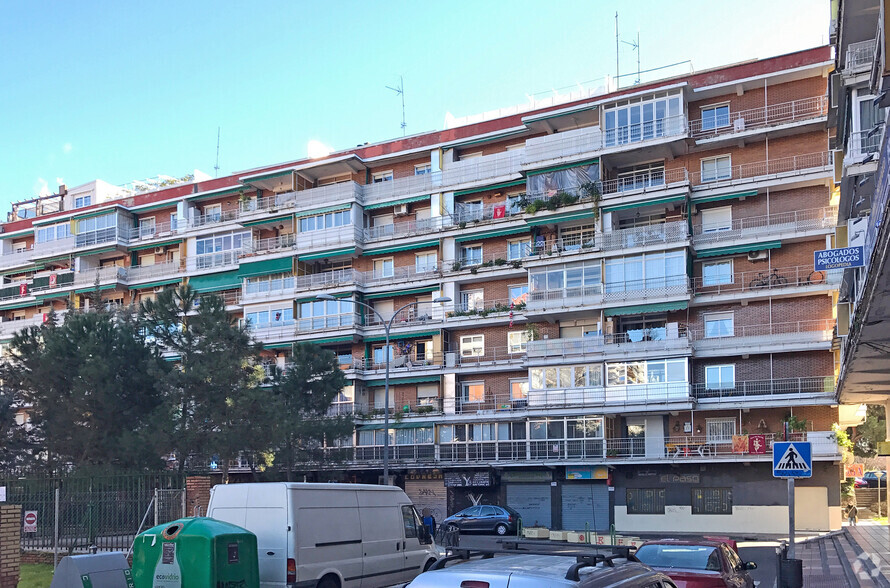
{"points": [[518, 294], [472, 346], [425, 262], [640, 177], [656, 371], [716, 219], [96, 229], [712, 501], [716, 168], [714, 117], [220, 250], [720, 377], [326, 314], [645, 272], [517, 341], [471, 255], [329, 220], [574, 238], [720, 430], [645, 500], [518, 248], [472, 392], [419, 435], [271, 283], [719, 324], [570, 376], [715, 273], [642, 120], [275, 317], [384, 268], [53, 232], [572, 280]]}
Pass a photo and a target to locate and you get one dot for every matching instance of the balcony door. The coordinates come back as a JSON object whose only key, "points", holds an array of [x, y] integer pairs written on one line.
{"points": [[646, 436]]}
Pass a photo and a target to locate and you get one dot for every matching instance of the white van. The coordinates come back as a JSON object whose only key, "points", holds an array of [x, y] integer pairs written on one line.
{"points": [[328, 535]]}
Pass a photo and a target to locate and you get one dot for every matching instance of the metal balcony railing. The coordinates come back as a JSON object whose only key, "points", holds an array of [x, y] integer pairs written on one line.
{"points": [[408, 228], [860, 55], [144, 233], [813, 385], [323, 196], [488, 356], [762, 170], [759, 281], [213, 218], [564, 144], [400, 363], [646, 181], [772, 330], [474, 310], [764, 116], [271, 203], [104, 274], [796, 220], [638, 340], [481, 168], [141, 273], [327, 279], [670, 126], [13, 259], [489, 212], [220, 259], [863, 142], [397, 274], [664, 233], [381, 192], [329, 322]]}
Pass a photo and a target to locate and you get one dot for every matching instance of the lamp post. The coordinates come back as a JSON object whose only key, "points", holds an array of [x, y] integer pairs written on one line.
{"points": [[387, 325]]}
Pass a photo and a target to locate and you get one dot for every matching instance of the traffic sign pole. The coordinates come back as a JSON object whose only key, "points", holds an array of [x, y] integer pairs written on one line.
{"points": [[791, 517]]}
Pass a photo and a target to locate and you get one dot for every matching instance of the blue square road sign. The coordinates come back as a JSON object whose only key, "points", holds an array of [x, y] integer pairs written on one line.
{"points": [[792, 459]]}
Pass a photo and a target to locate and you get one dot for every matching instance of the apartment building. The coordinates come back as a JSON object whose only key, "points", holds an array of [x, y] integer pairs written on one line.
{"points": [[858, 120], [634, 313]]}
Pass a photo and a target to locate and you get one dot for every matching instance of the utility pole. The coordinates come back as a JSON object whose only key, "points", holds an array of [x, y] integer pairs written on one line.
{"points": [[216, 167], [617, 68]]}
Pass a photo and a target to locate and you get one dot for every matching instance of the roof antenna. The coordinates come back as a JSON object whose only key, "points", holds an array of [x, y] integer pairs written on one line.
{"points": [[636, 47], [401, 92], [216, 167]]}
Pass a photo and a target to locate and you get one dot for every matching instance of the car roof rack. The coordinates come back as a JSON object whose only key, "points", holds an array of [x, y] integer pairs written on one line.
{"points": [[589, 557]]}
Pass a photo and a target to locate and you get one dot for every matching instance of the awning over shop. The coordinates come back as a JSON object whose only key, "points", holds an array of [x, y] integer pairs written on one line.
{"points": [[738, 249], [645, 308]]}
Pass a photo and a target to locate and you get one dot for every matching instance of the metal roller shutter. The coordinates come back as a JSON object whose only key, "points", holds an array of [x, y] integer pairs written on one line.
{"points": [[429, 494], [532, 501], [584, 504]]}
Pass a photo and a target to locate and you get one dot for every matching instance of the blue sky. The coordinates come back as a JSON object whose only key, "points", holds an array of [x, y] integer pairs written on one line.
{"points": [[123, 91]]}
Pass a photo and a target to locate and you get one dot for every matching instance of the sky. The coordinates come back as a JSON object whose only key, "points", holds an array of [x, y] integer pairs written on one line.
{"points": [[124, 91]]}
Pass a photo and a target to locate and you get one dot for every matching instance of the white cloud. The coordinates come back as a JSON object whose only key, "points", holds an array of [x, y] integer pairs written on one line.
{"points": [[60, 181], [66, 148], [317, 149], [41, 188]]}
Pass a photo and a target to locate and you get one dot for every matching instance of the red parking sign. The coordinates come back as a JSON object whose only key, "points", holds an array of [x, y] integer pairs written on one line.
{"points": [[30, 525]]}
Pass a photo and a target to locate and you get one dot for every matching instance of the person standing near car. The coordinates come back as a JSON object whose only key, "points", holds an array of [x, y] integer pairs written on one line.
{"points": [[852, 514]]}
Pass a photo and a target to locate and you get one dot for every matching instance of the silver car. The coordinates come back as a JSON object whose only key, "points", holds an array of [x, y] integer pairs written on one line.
{"points": [[536, 571]]}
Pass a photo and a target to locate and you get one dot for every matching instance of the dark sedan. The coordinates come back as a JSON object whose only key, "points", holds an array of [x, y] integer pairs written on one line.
{"points": [[697, 564], [875, 479], [485, 518]]}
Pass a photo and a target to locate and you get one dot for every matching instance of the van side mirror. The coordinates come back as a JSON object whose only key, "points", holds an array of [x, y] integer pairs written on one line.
{"points": [[750, 565]]}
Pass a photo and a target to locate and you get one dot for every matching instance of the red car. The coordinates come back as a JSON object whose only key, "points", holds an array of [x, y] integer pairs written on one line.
{"points": [[697, 564]]}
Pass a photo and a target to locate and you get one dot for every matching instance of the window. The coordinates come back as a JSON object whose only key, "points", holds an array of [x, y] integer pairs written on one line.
{"points": [[471, 254], [472, 391], [472, 300], [640, 177], [380, 356], [719, 324], [213, 212], [427, 394], [81, 201], [53, 233], [96, 229], [714, 117], [513, 200], [715, 273], [275, 317], [574, 279], [384, 176], [384, 268], [645, 500], [173, 221], [19, 247], [517, 341], [712, 501], [422, 169], [329, 220], [720, 430], [146, 227], [410, 522], [148, 259], [716, 168], [639, 121], [716, 219], [326, 314], [574, 238], [643, 272], [656, 371], [518, 390], [469, 211], [518, 294], [221, 250], [270, 283], [573, 376], [425, 262], [720, 377], [518, 248], [472, 346]]}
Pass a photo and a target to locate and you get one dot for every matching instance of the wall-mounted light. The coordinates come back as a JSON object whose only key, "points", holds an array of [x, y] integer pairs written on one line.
{"points": [[698, 430]]}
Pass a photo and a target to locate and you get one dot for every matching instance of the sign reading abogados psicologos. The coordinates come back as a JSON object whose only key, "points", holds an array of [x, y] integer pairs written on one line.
{"points": [[838, 258]]}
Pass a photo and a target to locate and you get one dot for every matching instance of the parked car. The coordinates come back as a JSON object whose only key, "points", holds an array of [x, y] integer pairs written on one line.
{"points": [[871, 479], [860, 483], [485, 518], [697, 564], [535, 571]]}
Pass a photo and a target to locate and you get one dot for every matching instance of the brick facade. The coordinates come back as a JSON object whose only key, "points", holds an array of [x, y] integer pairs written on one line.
{"points": [[10, 544]]}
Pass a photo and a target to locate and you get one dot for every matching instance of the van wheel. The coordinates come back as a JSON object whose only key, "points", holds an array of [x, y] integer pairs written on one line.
{"points": [[329, 582], [501, 529]]}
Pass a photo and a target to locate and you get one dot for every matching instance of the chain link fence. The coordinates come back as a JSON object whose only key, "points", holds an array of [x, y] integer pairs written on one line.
{"points": [[79, 513]]}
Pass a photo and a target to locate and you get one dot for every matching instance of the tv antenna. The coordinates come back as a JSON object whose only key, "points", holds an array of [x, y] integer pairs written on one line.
{"points": [[401, 92], [216, 167], [636, 47]]}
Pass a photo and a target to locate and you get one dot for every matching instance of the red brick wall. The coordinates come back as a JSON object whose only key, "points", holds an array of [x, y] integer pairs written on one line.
{"points": [[783, 310], [10, 544], [819, 418], [784, 365], [815, 86], [197, 494]]}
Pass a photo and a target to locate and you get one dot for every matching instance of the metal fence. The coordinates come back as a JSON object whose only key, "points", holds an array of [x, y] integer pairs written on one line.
{"points": [[77, 513]]}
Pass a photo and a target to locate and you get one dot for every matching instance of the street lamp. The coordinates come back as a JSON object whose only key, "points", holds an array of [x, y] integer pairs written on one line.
{"points": [[387, 325]]}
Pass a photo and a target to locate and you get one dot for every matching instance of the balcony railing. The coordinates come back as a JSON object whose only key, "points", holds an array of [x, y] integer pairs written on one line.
{"points": [[322, 196], [814, 385], [762, 170], [220, 259], [646, 181], [637, 341], [796, 220], [391, 189], [860, 55], [327, 279], [271, 203], [425, 313], [279, 243], [213, 218], [401, 363], [13, 259], [773, 330], [476, 310], [863, 142], [348, 235], [564, 144], [150, 232], [486, 167], [408, 228], [646, 131], [324, 323], [764, 116], [103, 274], [487, 357], [398, 274], [666, 287], [761, 281], [470, 214], [147, 272], [660, 234]]}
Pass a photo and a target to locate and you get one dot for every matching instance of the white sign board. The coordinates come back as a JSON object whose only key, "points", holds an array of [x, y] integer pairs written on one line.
{"points": [[30, 524], [2, 493]]}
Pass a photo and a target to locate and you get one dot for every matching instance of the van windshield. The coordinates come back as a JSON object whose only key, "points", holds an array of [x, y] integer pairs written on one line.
{"points": [[690, 557]]}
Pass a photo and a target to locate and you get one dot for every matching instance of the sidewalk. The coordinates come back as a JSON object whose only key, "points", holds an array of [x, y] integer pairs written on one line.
{"points": [[856, 557]]}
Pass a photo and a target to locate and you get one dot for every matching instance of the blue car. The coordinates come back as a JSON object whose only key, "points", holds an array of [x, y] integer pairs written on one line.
{"points": [[486, 518]]}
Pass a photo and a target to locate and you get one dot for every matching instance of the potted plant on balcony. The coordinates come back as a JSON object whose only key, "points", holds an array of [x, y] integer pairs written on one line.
{"points": [[591, 190]]}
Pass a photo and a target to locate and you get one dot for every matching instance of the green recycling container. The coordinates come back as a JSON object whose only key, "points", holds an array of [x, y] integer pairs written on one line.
{"points": [[196, 553]]}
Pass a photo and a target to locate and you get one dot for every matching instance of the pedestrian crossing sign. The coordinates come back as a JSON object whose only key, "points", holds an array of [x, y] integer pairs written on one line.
{"points": [[792, 460]]}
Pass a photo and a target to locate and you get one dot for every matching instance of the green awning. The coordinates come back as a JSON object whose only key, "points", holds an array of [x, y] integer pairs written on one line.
{"points": [[286, 345], [230, 192], [102, 212], [274, 219], [314, 298], [216, 282], [66, 257], [390, 294], [488, 139], [645, 308], [159, 244], [19, 305], [315, 211], [104, 250], [486, 188], [282, 265], [172, 358], [738, 249], [323, 254], [396, 202], [155, 284], [491, 234], [22, 233], [378, 338], [558, 114], [20, 270], [562, 167], [732, 196], [93, 289], [406, 247], [267, 176], [558, 218], [52, 296], [327, 340], [393, 379], [392, 425], [141, 209], [668, 200]]}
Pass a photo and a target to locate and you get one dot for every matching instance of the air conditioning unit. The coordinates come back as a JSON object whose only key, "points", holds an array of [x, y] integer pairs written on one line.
{"points": [[159, 250], [158, 289], [738, 125], [755, 255], [401, 210]]}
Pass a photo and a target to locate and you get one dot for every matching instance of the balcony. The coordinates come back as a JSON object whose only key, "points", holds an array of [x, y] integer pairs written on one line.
{"points": [[654, 180], [399, 365], [644, 132], [674, 232], [483, 169], [813, 386], [344, 277], [860, 56], [149, 233], [270, 245], [382, 192], [324, 196], [491, 212], [701, 448], [497, 307], [147, 273], [282, 331], [636, 343], [334, 322], [752, 339], [101, 275], [8, 328], [741, 121], [13, 259], [862, 143], [755, 227], [408, 228], [779, 168], [213, 260], [415, 315], [398, 274], [789, 280], [348, 236], [564, 145], [500, 357], [214, 218]]}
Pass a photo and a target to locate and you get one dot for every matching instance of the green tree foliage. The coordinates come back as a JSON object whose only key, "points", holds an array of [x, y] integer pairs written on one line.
{"points": [[871, 432], [215, 388], [303, 394], [92, 388]]}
